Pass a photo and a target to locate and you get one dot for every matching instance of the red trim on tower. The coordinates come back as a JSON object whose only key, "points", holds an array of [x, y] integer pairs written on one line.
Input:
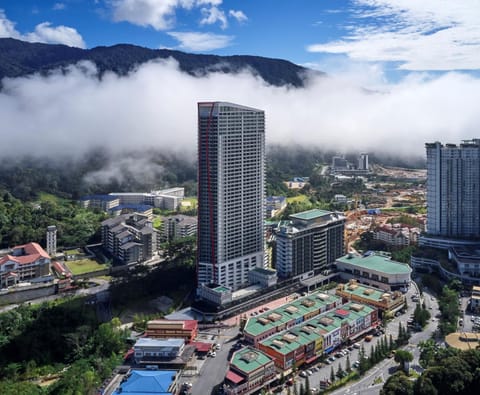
{"points": [[209, 189]]}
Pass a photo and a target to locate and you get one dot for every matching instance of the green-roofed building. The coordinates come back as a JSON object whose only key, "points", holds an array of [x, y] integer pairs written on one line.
{"points": [[309, 242], [376, 270], [384, 301], [290, 314], [250, 370], [322, 334]]}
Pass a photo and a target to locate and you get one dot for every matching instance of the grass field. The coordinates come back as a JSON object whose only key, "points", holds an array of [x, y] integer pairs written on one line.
{"points": [[298, 199], [157, 222], [84, 266], [189, 203]]}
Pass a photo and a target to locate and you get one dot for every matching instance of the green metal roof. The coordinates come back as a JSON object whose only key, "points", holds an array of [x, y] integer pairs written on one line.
{"points": [[249, 359], [358, 289], [376, 262], [288, 312], [310, 214], [221, 289], [324, 323]]}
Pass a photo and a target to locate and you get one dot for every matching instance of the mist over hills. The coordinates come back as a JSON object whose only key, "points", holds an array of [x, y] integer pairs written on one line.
{"points": [[20, 58], [124, 117]]}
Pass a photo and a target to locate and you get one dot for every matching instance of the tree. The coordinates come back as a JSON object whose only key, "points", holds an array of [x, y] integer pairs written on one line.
{"points": [[348, 366], [403, 357], [363, 361], [332, 375], [428, 352], [397, 384], [340, 371]]}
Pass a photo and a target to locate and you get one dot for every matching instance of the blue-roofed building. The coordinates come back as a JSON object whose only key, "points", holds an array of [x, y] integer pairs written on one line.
{"points": [[147, 382]]}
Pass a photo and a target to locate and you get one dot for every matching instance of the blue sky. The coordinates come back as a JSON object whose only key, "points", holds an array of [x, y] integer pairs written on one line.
{"points": [[399, 36]]}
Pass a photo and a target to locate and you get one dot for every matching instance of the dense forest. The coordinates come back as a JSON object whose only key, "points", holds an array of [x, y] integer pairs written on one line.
{"points": [[59, 343], [24, 222]]}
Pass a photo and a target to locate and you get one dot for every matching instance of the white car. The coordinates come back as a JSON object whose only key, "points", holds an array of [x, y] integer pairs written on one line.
{"points": [[213, 354]]}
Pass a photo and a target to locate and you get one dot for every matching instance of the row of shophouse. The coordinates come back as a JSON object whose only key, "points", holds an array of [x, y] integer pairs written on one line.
{"points": [[302, 331]]}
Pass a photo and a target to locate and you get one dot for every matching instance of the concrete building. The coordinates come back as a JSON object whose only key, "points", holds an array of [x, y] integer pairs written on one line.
{"points": [[475, 299], [51, 240], [250, 370], [453, 189], [395, 237], [265, 277], [25, 262], [363, 161], [384, 301], [172, 329], [169, 199], [215, 293], [103, 202], [177, 226], [467, 261], [157, 349], [231, 193], [310, 241], [129, 238], [376, 270]]}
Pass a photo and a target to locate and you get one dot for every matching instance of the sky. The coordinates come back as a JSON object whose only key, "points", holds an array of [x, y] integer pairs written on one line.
{"points": [[400, 72]]}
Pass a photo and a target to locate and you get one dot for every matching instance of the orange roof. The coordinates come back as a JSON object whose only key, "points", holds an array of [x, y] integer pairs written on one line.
{"points": [[31, 252]]}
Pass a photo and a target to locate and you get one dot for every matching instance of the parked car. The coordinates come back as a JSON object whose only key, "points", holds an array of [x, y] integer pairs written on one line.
{"points": [[303, 374], [356, 345], [368, 338]]}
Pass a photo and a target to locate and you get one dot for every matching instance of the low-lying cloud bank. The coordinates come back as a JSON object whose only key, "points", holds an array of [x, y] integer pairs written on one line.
{"points": [[154, 107]]}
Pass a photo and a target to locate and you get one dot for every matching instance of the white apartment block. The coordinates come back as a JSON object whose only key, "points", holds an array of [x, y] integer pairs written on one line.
{"points": [[231, 193], [453, 189]]}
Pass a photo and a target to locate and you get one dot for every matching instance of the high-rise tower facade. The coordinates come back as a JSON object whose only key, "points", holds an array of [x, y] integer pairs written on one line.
{"points": [[453, 189], [231, 193]]}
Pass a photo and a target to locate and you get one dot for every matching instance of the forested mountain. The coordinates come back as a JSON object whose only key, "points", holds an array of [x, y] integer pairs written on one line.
{"points": [[19, 58]]}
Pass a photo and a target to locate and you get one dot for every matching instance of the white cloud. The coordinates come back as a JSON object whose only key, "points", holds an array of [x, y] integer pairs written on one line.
{"points": [[161, 14], [213, 15], [238, 15], [7, 27], [420, 35], [75, 112], [196, 41], [44, 33], [59, 6]]}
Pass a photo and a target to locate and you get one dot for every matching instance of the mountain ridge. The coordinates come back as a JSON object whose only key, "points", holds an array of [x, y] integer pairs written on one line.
{"points": [[19, 58]]}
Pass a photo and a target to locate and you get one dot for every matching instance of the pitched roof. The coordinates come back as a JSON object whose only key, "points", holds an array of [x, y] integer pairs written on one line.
{"points": [[145, 382], [25, 254]]}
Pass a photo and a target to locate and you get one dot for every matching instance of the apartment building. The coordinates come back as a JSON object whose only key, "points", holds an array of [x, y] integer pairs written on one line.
{"points": [[231, 193], [129, 238], [309, 241]]}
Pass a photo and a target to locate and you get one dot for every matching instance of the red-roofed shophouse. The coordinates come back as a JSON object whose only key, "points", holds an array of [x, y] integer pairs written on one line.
{"points": [[25, 262]]}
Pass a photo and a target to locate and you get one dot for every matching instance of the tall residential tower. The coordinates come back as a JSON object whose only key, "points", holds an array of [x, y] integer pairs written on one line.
{"points": [[453, 189], [231, 193]]}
